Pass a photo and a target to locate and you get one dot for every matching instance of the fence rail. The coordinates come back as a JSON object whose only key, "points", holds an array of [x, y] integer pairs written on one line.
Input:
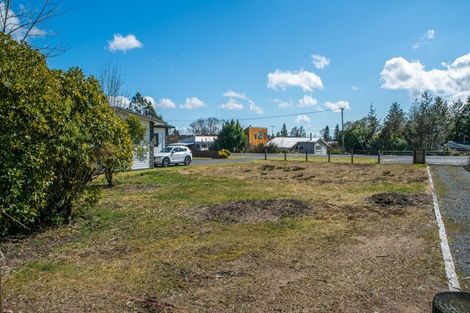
{"points": [[370, 157]]}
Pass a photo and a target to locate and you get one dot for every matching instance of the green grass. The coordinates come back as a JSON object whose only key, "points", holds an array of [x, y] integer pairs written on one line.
{"points": [[146, 233]]}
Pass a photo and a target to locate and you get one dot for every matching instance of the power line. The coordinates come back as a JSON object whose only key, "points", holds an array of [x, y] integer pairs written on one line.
{"points": [[269, 117]]}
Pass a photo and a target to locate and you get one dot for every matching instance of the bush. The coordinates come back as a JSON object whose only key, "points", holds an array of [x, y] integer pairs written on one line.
{"points": [[224, 154], [54, 125]]}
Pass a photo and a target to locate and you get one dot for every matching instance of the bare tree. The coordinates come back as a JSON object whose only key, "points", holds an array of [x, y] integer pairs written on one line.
{"points": [[112, 83], [25, 23]]}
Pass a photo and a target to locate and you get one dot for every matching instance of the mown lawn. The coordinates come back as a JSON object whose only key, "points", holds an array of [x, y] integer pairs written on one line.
{"points": [[152, 245]]}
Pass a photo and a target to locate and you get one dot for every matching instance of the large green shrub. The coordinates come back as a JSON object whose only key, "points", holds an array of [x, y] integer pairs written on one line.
{"points": [[53, 127]]}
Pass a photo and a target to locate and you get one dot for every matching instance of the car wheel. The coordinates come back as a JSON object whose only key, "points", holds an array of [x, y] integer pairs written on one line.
{"points": [[187, 161], [166, 162]]}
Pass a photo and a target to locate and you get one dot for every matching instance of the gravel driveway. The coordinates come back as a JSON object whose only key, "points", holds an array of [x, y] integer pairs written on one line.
{"points": [[453, 188]]}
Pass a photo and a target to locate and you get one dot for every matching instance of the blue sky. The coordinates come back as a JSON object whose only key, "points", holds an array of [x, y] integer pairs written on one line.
{"points": [[194, 52]]}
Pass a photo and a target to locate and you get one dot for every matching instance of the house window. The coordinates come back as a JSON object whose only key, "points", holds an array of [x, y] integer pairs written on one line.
{"points": [[260, 135], [318, 147], [301, 147]]}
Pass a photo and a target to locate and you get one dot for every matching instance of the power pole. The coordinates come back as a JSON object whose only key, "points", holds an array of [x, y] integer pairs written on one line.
{"points": [[342, 129]]}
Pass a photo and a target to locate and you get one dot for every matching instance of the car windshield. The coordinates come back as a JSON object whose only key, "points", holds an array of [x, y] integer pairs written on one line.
{"points": [[167, 149]]}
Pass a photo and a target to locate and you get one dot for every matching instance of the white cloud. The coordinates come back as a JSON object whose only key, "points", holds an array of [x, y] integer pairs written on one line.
{"points": [[234, 94], [307, 101], [425, 39], [337, 106], [303, 79], [451, 82], [430, 34], [119, 101], [123, 43], [302, 119], [320, 61], [150, 99], [13, 24], [192, 103], [166, 103], [253, 107], [355, 88], [232, 105], [283, 104]]}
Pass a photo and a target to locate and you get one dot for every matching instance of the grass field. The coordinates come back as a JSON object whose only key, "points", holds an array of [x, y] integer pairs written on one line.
{"points": [[303, 237]]}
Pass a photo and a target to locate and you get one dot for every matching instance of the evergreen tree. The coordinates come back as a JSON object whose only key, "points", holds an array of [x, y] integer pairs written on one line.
{"points": [[143, 106], [284, 131], [326, 133], [302, 132], [392, 134], [372, 125], [294, 132], [231, 137], [460, 117], [336, 133]]}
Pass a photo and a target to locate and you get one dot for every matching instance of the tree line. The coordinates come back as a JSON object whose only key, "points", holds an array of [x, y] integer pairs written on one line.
{"points": [[429, 124]]}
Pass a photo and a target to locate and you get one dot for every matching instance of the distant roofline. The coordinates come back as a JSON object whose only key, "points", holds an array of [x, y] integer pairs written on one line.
{"points": [[149, 118]]}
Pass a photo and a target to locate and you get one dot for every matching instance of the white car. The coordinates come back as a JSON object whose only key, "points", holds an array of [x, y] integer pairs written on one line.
{"points": [[173, 155]]}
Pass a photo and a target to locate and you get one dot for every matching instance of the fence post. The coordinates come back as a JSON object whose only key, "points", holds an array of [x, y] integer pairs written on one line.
{"points": [[285, 155], [265, 154], [378, 156], [352, 156], [306, 155], [329, 154]]}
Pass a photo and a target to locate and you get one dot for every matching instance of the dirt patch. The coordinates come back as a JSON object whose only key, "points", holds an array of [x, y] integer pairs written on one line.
{"points": [[267, 167], [395, 199], [256, 210]]}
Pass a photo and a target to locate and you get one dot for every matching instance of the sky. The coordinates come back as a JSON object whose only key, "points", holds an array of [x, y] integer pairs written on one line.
{"points": [[252, 60]]}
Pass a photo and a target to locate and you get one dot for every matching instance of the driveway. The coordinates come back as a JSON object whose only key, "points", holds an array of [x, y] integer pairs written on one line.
{"points": [[453, 189]]}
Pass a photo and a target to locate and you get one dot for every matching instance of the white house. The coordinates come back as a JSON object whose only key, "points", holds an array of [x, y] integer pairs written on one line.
{"points": [[199, 143], [156, 131], [301, 144]]}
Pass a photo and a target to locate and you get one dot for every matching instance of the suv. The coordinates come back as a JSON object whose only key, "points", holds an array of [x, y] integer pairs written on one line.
{"points": [[173, 155]]}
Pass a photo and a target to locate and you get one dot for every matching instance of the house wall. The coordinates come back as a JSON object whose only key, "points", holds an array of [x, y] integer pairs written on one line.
{"points": [[253, 135], [141, 162], [159, 139], [312, 148]]}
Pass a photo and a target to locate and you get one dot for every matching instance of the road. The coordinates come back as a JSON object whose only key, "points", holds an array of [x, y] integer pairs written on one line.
{"points": [[453, 189], [401, 159]]}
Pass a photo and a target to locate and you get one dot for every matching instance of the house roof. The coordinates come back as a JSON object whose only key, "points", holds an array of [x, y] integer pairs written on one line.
{"points": [[158, 122], [458, 146], [290, 142]]}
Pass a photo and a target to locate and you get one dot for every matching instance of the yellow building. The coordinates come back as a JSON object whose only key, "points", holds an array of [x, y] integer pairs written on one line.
{"points": [[256, 135]]}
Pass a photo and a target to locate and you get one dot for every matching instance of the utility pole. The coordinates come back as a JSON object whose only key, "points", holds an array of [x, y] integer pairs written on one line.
{"points": [[342, 129]]}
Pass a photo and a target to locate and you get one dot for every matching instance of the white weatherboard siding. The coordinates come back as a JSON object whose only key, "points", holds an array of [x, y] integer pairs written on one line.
{"points": [[159, 139], [144, 161], [323, 149]]}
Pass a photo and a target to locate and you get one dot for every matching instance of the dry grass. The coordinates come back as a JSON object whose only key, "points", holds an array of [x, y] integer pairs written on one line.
{"points": [[145, 247]]}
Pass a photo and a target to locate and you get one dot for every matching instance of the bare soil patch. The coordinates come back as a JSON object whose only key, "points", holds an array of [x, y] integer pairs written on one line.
{"points": [[396, 199], [256, 210]]}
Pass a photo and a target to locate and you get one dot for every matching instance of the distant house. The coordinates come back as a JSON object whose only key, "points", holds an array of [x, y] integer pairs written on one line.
{"points": [[198, 142], [256, 135], [156, 131], [452, 145], [311, 145]]}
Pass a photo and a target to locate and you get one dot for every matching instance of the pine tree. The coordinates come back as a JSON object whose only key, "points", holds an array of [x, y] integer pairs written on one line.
{"points": [[336, 133], [143, 106], [326, 133], [284, 132], [391, 136]]}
